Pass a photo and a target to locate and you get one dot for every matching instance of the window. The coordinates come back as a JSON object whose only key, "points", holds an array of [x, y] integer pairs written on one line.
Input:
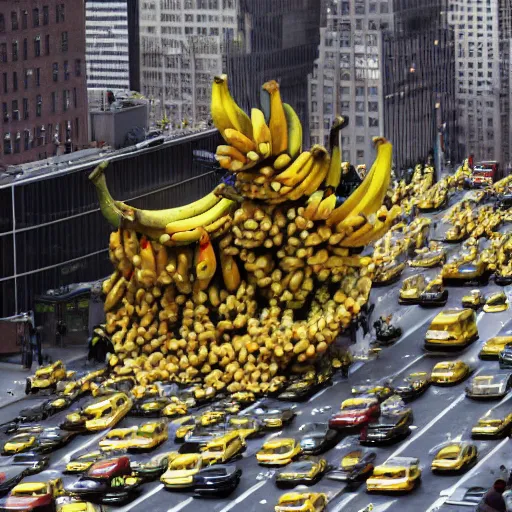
{"points": [[373, 106], [35, 17], [37, 46], [373, 122], [17, 143], [359, 91], [372, 91], [47, 44], [64, 42], [345, 91], [3, 52], [15, 111], [14, 20], [14, 51], [54, 102], [66, 70], [59, 13], [360, 155], [359, 121], [2, 23], [25, 49], [14, 81], [25, 79], [5, 112], [346, 155], [359, 106], [25, 108], [360, 139], [7, 144], [55, 71], [78, 67], [75, 98], [24, 20], [39, 105], [65, 100], [26, 140], [38, 77], [5, 83], [46, 15]]}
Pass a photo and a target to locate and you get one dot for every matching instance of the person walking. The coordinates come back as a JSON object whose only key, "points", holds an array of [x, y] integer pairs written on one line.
{"points": [[493, 500]]}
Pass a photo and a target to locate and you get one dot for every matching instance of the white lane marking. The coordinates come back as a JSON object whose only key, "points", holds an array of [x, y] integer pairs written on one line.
{"points": [[321, 392], [413, 329], [384, 506], [66, 458], [408, 366], [181, 505], [428, 426], [445, 495], [479, 317], [243, 496], [346, 501], [140, 499]]}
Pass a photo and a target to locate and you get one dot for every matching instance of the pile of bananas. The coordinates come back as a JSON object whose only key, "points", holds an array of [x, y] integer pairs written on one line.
{"points": [[501, 186], [468, 221], [249, 280]]}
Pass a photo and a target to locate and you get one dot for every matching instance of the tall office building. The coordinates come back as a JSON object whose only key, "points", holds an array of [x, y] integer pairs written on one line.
{"points": [[106, 32], [43, 84], [369, 51], [185, 43], [477, 65]]}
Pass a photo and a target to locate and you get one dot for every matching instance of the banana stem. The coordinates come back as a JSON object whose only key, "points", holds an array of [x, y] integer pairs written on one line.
{"points": [[107, 204]]}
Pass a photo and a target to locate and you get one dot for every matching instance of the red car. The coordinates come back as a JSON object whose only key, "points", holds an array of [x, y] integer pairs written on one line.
{"points": [[356, 412]]}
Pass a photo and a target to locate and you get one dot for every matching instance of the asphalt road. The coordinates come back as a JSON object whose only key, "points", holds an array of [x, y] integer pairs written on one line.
{"points": [[440, 415]]}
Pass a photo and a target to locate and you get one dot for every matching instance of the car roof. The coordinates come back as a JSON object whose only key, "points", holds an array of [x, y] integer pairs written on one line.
{"points": [[401, 461], [275, 443], [500, 339], [450, 316], [187, 458]]}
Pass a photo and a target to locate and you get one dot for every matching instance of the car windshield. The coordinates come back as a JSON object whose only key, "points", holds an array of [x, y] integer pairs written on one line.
{"points": [[216, 449], [178, 465], [296, 503], [145, 434], [300, 467], [484, 381], [449, 455], [29, 494], [389, 473], [22, 438], [356, 406], [276, 450]]}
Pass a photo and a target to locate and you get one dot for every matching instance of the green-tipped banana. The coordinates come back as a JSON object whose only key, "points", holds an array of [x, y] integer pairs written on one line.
{"points": [[108, 206], [294, 131]]}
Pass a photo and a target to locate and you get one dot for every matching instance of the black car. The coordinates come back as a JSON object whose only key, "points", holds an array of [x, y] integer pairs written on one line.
{"points": [[300, 390], [34, 462], [220, 479], [53, 438], [505, 357], [355, 466], [271, 415], [11, 476], [412, 386], [385, 332], [14, 469], [150, 469], [316, 438], [34, 413], [433, 297], [202, 435], [387, 428]]}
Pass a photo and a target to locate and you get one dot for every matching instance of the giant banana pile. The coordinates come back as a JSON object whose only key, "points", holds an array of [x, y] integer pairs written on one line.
{"points": [[233, 289]]}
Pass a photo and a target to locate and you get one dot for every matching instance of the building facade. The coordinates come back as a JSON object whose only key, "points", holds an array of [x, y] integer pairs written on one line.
{"points": [[476, 26], [366, 50], [43, 82], [107, 54], [185, 43]]}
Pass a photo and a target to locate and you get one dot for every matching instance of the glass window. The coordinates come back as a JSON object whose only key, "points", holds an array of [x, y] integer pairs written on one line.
{"points": [[38, 77], [78, 67], [46, 15], [54, 102], [35, 17], [3, 52], [37, 46], [47, 44], [359, 121], [25, 49], [66, 70], [25, 108], [14, 51], [55, 71], [24, 20], [2, 23], [7, 143], [14, 81], [360, 156], [359, 91], [59, 13], [373, 122], [64, 41], [5, 112], [14, 20], [15, 111], [39, 105]]}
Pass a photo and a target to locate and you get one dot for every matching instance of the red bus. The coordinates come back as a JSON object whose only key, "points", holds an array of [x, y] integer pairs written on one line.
{"points": [[486, 173]]}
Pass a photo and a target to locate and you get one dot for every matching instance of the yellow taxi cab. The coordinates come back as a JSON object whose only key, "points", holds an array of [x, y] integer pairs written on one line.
{"points": [[78, 506], [103, 413], [46, 377], [496, 303], [397, 474], [181, 470], [474, 299], [305, 471], [245, 426], [452, 328], [494, 423], [278, 451], [224, 448], [36, 493], [211, 418], [493, 346], [302, 502], [118, 439], [176, 408], [412, 288], [21, 442], [449, 372], [83, 462], [112, 385], [149, 435], [454, 457], [184, 425]]}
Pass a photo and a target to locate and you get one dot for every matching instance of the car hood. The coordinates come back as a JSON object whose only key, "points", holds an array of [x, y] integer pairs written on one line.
{"points": [[179, 473], [26, 502]]}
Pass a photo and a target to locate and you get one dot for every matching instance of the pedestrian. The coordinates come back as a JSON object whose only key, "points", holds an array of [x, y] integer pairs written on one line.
{"points": [[493, 500]]}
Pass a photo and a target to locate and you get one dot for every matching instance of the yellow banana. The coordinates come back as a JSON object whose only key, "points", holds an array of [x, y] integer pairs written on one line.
{"points": [[340, 213], [353, 239], [115, 294], [261, 132], [334, 174], [325, 208], [230, 272], [239, 119], [313, 203], [232, 152], [219, 114], [311, 183], [282, 161], [278, 126], [297, 171], [186, 237], [294, 131], [219, 210], [239, 141]]}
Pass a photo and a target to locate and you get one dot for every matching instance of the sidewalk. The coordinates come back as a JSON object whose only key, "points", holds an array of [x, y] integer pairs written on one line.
{"points": [[13, 376]]}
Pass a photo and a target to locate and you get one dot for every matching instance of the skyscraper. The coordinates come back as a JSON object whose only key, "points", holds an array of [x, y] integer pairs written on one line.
{"points": [[185, 43], [374, 67], [44, 97], [107, 44]]}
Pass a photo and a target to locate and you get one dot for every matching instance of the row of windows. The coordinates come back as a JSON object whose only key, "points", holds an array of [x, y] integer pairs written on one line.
{"points": [[39, 136], [18, 21], [35, 76], [16, 115], [175, 5], [15, 48]]}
